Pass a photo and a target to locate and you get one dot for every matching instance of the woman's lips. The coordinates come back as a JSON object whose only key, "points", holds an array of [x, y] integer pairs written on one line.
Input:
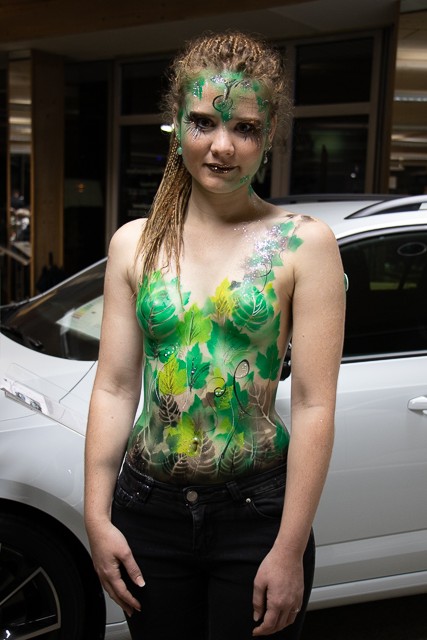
{"points": [[220, 168]]}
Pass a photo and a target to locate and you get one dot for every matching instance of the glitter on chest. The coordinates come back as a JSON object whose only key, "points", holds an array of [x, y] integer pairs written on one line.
{"points": [[272, 243]]}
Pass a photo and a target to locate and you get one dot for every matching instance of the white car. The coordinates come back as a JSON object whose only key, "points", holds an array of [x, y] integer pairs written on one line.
{"points": [[371, 527]]}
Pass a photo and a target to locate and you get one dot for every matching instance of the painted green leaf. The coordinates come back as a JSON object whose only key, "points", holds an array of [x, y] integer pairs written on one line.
{"points": [[150, 348], [158, 304], [195, 327], [172, 379], [223, 299], [181, 438], [223, 398], [270, 293], [224, 426], [227, 345], [294, 243], [197, 369], [252, 308], [208, 308], [274, 328], [281, 440], [286, 228], [276, 260], [202, 419], [166, 351], [194, 423], [268, 365]]}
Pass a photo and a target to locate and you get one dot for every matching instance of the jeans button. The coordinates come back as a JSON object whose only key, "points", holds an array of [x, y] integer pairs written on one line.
{"points": [[191, 495]]}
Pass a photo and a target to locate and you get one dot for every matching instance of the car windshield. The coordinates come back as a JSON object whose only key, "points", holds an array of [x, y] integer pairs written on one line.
{"points": [[65, 321]]}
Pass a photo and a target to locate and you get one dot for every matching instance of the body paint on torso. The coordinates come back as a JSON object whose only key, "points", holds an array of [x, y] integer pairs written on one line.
{"points": [[211, 372]]}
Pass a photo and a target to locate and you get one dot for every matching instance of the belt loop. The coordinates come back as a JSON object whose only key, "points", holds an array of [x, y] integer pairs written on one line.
{"points": [[234, 490], [144, 491]]}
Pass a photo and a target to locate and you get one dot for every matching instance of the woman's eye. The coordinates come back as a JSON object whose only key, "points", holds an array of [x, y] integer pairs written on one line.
{"points": [[196, 125], [202, 123], [246, 128]]}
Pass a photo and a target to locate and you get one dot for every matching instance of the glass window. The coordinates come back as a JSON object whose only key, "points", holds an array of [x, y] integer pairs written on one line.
{"points": [[333, 72], [65, 321], [386, 299], [329, 155], [85, 170], [142, 86], [143, 155]]}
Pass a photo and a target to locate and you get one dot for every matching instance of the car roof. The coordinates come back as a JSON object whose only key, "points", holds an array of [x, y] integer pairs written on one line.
{"points": [[355, 215]]}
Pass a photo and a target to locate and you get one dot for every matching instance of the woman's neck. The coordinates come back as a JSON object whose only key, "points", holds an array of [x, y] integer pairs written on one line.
{"points": [[223, 209]]}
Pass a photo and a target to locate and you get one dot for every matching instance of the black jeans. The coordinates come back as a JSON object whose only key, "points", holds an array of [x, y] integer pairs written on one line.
{"points": [[199, 548]]}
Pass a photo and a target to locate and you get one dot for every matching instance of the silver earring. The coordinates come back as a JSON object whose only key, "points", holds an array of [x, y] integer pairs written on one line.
{"points": [[265, 156]]}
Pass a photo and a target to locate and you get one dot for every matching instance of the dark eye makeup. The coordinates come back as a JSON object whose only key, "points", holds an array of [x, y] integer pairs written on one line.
{"points": [[197, 123]]}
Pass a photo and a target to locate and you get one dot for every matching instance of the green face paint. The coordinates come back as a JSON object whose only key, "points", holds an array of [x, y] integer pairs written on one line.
{"points": [[228, 82], [198, 88], [224, 103], [262, 104], [211, 370]]}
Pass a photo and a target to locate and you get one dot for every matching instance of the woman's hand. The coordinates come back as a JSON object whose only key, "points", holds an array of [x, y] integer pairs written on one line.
{"points": [[109, 551], [278, 591]]}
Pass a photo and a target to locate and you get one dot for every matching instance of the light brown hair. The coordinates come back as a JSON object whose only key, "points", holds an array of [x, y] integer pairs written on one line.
{"points": [[233, 51]]}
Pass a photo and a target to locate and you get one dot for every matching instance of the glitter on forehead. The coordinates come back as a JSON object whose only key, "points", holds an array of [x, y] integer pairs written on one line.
{"points": [[226, 81], [224, 103], [232, 79], [218, 79]]}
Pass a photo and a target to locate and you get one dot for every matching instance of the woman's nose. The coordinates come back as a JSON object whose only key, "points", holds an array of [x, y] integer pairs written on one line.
{"points": [[222, 143]]}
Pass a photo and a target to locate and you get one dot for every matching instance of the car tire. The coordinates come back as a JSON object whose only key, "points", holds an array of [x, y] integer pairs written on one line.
{"points": [[42, 593]]}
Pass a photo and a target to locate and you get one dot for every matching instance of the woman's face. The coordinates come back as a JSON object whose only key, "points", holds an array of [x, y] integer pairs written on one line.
{"points": [[224, 129]]}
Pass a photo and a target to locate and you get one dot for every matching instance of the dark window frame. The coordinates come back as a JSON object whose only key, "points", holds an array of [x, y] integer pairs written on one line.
{"points": [[366, 235]]}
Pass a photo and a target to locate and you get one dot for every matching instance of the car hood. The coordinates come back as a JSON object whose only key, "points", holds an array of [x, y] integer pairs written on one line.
{"points": [[338, 216], [33, 382]]}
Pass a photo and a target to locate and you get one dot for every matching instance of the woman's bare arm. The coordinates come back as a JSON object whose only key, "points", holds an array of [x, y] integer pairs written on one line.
{"points": [[114, 401], [318, 308]]}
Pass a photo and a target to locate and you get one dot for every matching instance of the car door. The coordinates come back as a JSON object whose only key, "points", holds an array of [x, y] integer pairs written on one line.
{"points": [[372, 519]]}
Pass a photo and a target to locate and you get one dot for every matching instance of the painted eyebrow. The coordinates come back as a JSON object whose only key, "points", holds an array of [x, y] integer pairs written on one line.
{"points": [[210, 116], [199, 114]]}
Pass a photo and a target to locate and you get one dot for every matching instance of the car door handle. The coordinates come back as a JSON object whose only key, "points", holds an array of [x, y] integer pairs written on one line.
{"points": [[418, 404]]}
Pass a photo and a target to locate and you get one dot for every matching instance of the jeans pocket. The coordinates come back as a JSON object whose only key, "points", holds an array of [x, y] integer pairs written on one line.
{"points": [[121, 498], [130, 497], [267, 504]]}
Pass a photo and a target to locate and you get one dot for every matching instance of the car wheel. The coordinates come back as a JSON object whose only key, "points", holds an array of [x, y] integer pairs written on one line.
{"points": [[41, 592]]}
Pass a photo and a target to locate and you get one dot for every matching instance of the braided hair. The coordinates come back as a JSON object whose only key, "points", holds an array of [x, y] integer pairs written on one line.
{"points": [[233, 51]]}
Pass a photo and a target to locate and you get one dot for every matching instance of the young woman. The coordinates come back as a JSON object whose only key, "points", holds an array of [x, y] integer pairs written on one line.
{"points": [[193, 534]]}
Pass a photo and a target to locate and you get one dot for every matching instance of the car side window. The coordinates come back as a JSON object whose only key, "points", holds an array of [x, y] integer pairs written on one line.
{"points": [[387, 295]]}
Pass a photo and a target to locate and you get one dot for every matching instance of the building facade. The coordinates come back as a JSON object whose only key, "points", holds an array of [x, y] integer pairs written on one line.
{"points": [[83, 143]]}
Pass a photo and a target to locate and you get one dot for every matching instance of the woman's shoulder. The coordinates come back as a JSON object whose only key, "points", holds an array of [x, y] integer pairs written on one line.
{"points": [[129, 233], [306, 226], [125, 239], [123, 247]]}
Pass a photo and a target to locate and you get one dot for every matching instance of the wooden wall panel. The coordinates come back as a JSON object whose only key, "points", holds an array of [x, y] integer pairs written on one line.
{"points": [[47, 166]]}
